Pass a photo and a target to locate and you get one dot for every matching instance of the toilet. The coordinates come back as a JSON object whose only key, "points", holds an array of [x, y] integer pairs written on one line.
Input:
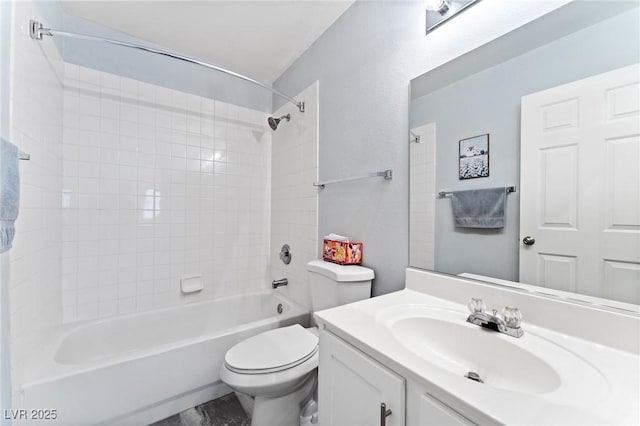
{"points": [[274, 373]]}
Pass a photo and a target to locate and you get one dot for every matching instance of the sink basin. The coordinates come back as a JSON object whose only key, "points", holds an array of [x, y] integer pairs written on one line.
{"points": [[461, 349], [442, 337]]}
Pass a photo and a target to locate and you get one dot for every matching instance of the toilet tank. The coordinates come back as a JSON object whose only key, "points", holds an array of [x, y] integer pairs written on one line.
{"points": [[332, 285]]}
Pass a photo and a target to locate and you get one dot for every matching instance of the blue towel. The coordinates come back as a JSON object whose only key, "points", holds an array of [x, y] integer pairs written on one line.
{"points": [[9, 193], [479, 208]]}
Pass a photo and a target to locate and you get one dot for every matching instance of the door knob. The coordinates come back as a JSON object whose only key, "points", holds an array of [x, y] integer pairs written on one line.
{"points": [[528, 240]]}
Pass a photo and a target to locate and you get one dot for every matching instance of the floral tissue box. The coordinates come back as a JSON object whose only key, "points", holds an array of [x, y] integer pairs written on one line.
{"points": [[342, 252]]}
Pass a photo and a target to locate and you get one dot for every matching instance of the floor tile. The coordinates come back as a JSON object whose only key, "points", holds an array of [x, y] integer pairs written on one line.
{"points": [[224, 411]]}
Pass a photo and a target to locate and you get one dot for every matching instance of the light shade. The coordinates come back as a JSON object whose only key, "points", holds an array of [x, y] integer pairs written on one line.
{"points": [[439, 11], [437, 5]]}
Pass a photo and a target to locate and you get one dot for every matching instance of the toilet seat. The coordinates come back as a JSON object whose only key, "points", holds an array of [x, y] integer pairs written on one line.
{"points": [[274, 369], [272, 351], [273, 383]]}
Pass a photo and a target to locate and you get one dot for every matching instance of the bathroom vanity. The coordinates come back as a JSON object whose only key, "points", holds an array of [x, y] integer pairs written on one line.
{"points": [[414, 352]]}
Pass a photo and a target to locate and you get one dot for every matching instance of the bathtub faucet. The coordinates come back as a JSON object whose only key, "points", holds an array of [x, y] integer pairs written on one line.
{"points": [[280, 282]]}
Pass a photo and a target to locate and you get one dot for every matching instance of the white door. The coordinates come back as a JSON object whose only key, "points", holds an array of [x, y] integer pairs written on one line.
{"points": [[352, 387], [580, 182]]}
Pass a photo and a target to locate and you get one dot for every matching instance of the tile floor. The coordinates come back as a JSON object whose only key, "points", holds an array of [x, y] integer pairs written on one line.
{"points": [[224, 411]]}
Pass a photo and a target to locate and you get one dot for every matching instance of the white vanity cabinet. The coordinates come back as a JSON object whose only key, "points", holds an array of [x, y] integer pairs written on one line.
{"points": [[352, 387], [433, 412], [425, 409], [411, 349]]}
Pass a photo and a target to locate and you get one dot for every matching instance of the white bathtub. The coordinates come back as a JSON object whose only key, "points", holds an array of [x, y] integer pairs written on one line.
{"points": [[143, 367]]}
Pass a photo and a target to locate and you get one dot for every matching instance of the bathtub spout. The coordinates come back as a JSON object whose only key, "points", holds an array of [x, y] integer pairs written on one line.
{"points": [[280, 282]]}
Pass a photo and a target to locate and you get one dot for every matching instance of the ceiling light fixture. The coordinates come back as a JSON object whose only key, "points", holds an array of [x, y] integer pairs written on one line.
{"points": [[439, 11], [440, 6]]}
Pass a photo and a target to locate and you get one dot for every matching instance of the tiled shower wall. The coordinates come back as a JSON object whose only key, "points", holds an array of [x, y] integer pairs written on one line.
{"points": [[157, 185], [422, 191], [36, 128], [294, 199]]}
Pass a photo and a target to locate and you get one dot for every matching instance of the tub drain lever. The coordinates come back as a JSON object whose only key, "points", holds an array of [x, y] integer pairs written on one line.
{"points": [[472, 375]]}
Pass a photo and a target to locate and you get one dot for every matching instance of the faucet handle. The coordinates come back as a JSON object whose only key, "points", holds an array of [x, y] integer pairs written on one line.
{"points": [[512, 316], [476, 306]]}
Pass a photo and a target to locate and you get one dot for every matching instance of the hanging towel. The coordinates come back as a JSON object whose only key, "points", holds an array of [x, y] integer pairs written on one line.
{"points": [[479, 208], [9, 193]]}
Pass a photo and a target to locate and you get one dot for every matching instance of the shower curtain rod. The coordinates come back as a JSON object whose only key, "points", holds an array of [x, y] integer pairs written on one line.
{"points": [[37, 31]]}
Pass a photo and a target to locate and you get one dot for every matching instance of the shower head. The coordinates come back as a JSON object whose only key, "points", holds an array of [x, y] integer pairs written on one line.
{"points": [[273, 122]]}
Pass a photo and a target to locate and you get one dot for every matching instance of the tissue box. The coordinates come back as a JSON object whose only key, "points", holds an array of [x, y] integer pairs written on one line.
{"points": [[342, 252]]}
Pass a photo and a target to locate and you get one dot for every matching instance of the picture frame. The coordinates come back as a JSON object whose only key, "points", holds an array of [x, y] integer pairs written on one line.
{"points": [[473, 157]]}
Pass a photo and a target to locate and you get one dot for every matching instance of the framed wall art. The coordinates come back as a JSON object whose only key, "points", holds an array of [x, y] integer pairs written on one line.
{"points": [[474, 157]]}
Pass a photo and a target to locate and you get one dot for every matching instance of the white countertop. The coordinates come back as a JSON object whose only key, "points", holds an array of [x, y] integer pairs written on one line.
{"points": [[608, 394]]}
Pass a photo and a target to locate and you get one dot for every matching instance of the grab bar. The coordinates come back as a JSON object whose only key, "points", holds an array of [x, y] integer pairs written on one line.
{"points": [[386, 174]]}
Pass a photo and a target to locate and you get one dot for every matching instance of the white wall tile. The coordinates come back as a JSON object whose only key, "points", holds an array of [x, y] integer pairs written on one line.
{"points": [[146, 199], [36, 295], [294, 199], [422, 211]]}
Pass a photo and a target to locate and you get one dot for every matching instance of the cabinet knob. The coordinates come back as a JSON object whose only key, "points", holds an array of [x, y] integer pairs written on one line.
{"points": [[384, 413]]}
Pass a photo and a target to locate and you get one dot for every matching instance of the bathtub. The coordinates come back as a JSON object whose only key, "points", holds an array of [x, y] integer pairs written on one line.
{"points": [[142, 367]]}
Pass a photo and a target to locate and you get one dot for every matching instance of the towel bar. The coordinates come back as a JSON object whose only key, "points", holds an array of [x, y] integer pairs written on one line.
{"points": [[386, 174], [443, 194]]}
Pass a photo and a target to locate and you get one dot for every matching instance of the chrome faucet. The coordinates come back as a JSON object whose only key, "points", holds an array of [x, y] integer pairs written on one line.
{"points": [[280, 282], [508, 323]]}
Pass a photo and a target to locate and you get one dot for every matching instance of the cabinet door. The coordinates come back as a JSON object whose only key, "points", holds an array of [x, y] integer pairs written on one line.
{"points": [[351, 387], [435, 413]]}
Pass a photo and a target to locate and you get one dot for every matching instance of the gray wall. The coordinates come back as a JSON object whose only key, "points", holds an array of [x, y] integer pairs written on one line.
{"points": [[489, 102], [364, 63], [364, 75], [153, 68]]}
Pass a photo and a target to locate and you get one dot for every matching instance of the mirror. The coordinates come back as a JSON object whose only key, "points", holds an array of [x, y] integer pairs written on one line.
{"points": [[563, 93]]}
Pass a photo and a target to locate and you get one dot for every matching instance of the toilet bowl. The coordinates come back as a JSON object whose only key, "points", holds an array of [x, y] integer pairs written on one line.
{"points": [[274, 374]]}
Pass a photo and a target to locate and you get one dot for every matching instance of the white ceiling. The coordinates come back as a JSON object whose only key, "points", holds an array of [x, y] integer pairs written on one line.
{"points": [[260, 39]]}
